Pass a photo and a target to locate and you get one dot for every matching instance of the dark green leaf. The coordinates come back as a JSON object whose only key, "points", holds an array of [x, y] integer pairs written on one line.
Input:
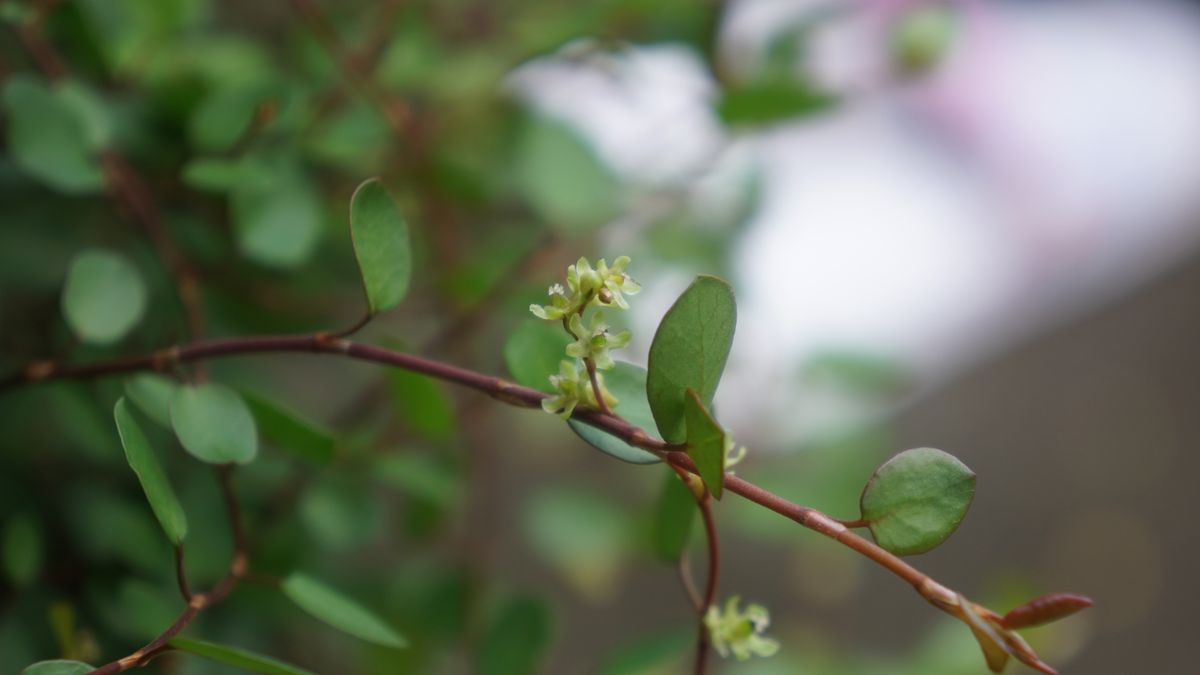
{"points": [[916, 500], [22, 549], [288, 431], [103, 297], [628, 383], [214, 424], [422, 404], [381, 245], [563, 179], [516, 639], [674, 516], [152, 394], [58, 667], [238, 658], [706, 442], [154, 482], [689, 352], [654, 654], [47, 139], [772, 101], [339, 611], [533, 351]]}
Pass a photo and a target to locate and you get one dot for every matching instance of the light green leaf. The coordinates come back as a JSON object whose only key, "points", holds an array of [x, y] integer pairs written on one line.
{"points": [[916, 500], [154, 482], [381, 245], [562, 178], [516, 639], [689, 351], [277, 216], [22, 548], [152, 394], [654, 654], [628, 383], [706, 442], [533, 351], [238, 658], [674, 516], [47, 139], [289, 431], [103, 297], [58, 667], [214, 424], [339, 611]]}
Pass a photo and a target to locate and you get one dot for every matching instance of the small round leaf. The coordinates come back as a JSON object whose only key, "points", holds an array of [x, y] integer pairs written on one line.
{"points": [[381, 245], [916, 500], [103, 297], [214, 424]]}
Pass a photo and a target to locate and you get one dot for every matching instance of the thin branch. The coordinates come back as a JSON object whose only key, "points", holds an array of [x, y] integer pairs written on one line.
{"points": [[595, 379], [710, 588], [689, 585], [181, 574]]}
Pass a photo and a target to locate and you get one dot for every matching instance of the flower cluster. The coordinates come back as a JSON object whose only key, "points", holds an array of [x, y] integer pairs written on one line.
{"points": [[592, 340], [740, 632]]}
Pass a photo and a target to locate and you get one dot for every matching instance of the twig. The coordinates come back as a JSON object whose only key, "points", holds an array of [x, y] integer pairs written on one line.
{"points": [[181, 574], [710, 588]]}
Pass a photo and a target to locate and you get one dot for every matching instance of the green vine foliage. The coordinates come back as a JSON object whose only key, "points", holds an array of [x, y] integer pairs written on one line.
{"points": [[225, 448]]}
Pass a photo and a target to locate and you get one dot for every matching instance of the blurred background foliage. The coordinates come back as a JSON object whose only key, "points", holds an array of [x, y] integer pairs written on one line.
{"points": [[493, 538]]}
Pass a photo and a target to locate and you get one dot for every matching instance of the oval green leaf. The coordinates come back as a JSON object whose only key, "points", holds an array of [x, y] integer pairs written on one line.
{"points": [[339, 611], [277, 219], [158, 491], [152, 394], [516, 639], [915, 500], [238, 658], [628, 383], [689, 351], [674, 517], [533, 351], [562, 178], [103, 297], [381, 245], [58, 667], [289, 431], [47, 139], [214, 424], [706, 442]]}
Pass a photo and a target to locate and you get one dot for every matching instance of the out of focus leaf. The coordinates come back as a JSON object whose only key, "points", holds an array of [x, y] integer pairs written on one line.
{"points": [[516, 639], [47, 138], [922, 35], [533, 351], [995, 651], [103, 297], [419, 476], [339, 514], [238, 658], [339, 611], [655, 654], [563, 179], [381, 245], [138, 609], [289, 431], [706, 443], [214, 424], [215, 174], [277, 215], [674, 517], [689, 351], [21, 548], [154, 482], [422, 404], [152, 394], [916, 500], [58, 667], [224, 116], [582, 534], [628, 383], [772, 101]]}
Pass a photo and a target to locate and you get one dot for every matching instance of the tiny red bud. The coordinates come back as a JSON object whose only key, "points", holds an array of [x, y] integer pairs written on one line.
{"points": [[1045, 609]]}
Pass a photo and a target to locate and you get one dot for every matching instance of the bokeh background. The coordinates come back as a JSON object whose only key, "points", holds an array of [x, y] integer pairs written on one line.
{"points": [[969, 225]]}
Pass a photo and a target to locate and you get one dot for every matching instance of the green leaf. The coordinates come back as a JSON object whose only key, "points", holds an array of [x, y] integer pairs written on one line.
{"points": [[277, 217], [533, 351], [706, 442], [628, 383], [238, 658], [922, 36], [381, 245], [419, 476], [689, 351], [214, 174], [154, 482], [103, 297], [58, 667], [772, 101], [653, 654], [916, 500], [22, 548], [674, 516], [47, 138], [289, 431], [585, 535], [562, 178], [214, 424], [223, 117], [152, 394], [339, 611], [516, 639], [422, 404]]}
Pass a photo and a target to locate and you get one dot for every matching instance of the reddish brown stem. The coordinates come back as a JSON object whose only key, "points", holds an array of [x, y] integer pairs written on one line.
{"points": [[181, 574], [710, 588]]}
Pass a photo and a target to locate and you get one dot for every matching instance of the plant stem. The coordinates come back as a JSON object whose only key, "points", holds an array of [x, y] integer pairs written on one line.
{"points": [[181, 574], [710, 588]]}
